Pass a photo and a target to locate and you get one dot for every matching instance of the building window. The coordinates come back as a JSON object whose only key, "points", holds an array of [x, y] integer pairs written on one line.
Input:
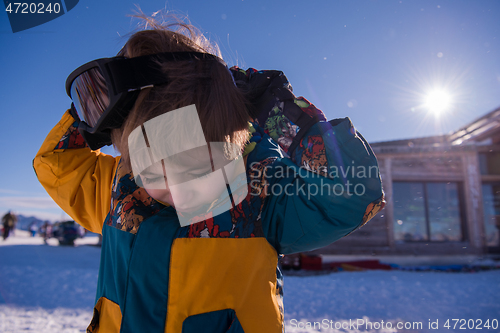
{"points": [[427, 211], [489, 163], [491, 209]]}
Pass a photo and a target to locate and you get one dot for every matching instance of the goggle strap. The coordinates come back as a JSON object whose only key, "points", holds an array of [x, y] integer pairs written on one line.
{"points": [[134, 73]]}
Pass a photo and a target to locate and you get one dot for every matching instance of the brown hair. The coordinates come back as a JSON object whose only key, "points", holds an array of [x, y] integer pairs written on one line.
{"points": [[208, 84]]}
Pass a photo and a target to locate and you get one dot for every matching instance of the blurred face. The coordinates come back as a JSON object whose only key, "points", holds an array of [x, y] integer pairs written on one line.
{"points": [[173, 162], [189, 180]]}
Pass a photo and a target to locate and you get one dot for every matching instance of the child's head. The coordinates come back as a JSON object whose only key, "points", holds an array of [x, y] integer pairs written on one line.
{"points": [[208, 84], [220, 106]]}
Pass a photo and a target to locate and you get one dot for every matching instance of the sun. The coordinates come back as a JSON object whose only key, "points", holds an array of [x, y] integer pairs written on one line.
{"points": [[438, 101]]}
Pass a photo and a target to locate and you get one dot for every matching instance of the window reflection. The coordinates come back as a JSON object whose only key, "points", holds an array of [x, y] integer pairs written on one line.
{"points": [[491, 209], [444, 211], [409, 212], [489, 163], [427, 211]]}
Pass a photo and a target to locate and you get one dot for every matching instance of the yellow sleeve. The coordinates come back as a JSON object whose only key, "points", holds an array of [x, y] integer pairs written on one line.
{"points": [[79, 180]]}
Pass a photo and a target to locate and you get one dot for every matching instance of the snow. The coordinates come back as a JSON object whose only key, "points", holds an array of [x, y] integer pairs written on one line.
{"points": [[50, 288], [47, 288], [395, 296]]}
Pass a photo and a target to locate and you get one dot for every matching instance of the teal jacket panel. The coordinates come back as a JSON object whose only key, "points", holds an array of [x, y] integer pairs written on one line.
{"points": [[306, 210]]}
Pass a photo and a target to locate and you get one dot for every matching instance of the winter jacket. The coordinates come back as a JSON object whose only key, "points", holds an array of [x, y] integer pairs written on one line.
{"points": [[219, 275]]}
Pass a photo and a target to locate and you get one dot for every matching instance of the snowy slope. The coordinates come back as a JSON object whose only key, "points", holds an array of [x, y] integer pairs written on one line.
{"points": [[48, 288]]}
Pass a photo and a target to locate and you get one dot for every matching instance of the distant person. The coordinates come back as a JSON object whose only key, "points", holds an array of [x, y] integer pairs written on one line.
{"points": [[47, 231], [33, 228], [9, 223]]}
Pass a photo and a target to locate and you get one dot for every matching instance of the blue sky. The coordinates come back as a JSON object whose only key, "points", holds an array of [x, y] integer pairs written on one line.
{"points": [[373, 61]]}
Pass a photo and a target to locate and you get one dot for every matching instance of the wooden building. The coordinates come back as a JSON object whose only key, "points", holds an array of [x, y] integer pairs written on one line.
{"points": [[442, 192]]}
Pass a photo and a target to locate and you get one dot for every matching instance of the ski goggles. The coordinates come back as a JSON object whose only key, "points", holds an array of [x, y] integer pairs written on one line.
{"points": [[104, 91]]}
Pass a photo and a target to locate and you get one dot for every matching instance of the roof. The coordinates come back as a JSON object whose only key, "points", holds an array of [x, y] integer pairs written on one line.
{"points": [[485, 127], [479, 130]]}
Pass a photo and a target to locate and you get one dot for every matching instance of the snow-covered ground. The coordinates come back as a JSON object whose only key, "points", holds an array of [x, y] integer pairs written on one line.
{"points": [[46, 288], [49, 288]]}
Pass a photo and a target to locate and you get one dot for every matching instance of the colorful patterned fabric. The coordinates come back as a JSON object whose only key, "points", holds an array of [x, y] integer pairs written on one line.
{"points": [[309, 108], [283, 130], [313, 155], [280, 128], [373, 209], [71, 139], [130, 204]]}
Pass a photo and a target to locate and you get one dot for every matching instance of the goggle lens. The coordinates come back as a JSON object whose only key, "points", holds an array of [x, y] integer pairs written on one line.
{"points": [[90, 96]]}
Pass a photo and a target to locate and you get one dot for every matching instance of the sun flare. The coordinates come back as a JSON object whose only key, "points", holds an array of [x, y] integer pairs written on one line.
{"points": [[438, 101]]}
